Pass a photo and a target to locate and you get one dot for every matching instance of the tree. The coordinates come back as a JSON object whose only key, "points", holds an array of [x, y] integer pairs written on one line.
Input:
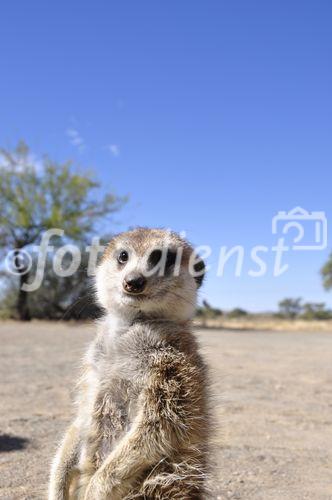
{"points": [[39, 195], [312, 310], [65, 298], [326, 273], [290, 308], [237, 313], [207, 311]]}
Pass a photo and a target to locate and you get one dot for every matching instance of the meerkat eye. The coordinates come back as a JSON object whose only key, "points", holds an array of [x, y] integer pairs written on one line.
{"points": [[123, 257]]}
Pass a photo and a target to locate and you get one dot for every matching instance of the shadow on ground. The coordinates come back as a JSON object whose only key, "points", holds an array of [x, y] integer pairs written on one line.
{"points": [[12, 443]]}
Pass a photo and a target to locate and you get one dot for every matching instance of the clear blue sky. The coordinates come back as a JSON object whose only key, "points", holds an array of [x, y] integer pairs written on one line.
{"points": [[212, 115]]}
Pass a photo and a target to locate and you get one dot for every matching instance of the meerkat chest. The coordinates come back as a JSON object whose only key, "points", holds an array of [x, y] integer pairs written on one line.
{"points": [[118, 362], [114, 412], [109, 412], [113, 405]]}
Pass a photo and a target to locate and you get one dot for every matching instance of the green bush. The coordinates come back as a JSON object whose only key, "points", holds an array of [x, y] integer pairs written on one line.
{"points": [[237, 313], [316, 311], [293, 308], [208, 312], [290, 308]]}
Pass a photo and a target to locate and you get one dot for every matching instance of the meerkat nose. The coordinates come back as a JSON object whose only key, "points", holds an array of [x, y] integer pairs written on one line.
{"points": [[134, 283]]}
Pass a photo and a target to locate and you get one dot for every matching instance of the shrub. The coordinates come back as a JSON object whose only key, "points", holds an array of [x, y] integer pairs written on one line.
{"points": [[290, 308], [208, 312], [237, 313]]}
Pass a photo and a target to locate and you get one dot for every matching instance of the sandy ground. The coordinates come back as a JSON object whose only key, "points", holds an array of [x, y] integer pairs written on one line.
{"points": [[273, 402]]}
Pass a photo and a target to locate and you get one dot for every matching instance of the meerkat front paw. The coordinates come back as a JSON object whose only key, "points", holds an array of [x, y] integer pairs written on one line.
{"points": [[96, 489], [102, 486]]}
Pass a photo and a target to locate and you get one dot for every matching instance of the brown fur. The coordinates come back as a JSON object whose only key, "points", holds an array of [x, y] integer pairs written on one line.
{"points": [[142, 423]]}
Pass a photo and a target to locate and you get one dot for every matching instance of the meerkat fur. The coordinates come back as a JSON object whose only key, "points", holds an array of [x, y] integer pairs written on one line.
{"points": [[142, 424]]}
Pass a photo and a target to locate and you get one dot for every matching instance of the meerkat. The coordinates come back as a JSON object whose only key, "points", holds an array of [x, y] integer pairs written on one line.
{"points": [[142, 424]]}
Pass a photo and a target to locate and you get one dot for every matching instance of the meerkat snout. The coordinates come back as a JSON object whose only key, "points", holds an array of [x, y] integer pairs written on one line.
{"points": [[134, 283]]}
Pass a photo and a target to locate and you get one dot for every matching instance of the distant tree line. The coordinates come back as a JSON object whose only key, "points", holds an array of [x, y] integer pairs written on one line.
{"points": [[288, 308], [296, 308], [206, 311]]}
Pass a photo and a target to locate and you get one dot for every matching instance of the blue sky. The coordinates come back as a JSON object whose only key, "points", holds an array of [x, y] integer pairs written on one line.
{"points": [[212, 115]]}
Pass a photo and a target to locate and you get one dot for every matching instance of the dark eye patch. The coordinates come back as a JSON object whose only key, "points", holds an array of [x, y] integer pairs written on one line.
{"points": [[199, 268], [155, 258], [170, 258], [158, 256]]}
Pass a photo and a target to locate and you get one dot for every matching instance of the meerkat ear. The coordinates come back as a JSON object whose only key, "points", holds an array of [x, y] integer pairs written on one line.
{"points": [[199, 269]]}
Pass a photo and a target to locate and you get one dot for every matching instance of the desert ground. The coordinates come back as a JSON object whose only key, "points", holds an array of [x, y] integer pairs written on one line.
{"points": [[272, 395]]}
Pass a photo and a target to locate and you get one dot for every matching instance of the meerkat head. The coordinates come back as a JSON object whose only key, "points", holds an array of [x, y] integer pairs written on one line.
{"points": [[149, 272]]}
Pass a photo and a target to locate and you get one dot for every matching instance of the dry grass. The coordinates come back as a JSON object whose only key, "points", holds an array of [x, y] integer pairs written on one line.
{"points": [[266, 323]]}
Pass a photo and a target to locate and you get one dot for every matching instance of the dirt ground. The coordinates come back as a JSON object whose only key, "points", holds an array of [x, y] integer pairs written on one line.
{"points": [[273, 403]]}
